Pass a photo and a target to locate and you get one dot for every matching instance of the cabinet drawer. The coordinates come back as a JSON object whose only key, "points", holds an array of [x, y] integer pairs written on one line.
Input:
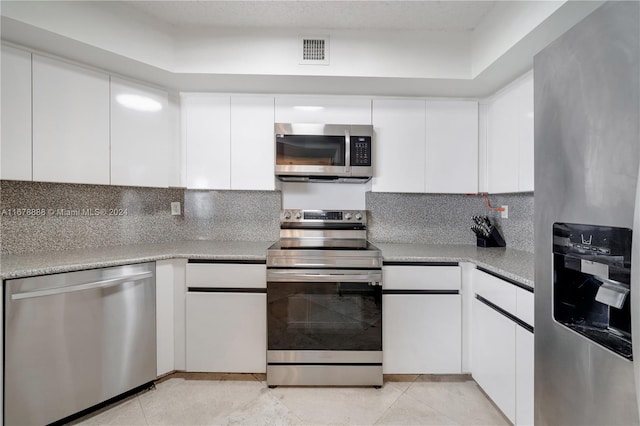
{"points": [[525, 305], [226, 333], [226, 275], [407, 277], [496, 291]]}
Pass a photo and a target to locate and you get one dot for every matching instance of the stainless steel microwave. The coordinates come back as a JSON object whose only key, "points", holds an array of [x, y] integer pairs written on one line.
{"points": [[323, 152]]}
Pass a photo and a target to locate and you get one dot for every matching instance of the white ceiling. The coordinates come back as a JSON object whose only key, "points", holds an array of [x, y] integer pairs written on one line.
{"points": [[383, 48], [337, 14]]}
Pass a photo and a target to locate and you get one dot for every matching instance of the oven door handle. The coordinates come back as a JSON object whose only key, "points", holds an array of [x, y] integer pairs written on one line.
{"points": [[293, 276]]}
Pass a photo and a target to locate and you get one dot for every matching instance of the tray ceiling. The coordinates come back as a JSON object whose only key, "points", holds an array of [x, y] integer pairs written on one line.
{"points": [[360, 15]]}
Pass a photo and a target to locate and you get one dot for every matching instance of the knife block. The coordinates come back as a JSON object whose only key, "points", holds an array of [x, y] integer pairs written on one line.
{"points": [[495, 239]]}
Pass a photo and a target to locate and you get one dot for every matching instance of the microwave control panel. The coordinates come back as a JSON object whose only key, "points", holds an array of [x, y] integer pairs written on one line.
{"points": [[361, 151]]}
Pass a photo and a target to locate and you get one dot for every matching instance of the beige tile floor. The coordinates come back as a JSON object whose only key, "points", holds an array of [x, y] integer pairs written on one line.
{"points": [[245, 399]]}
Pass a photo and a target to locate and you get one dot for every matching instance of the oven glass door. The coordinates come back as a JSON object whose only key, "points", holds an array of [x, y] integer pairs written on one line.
{"points": [[310, 150], [324, 311]]}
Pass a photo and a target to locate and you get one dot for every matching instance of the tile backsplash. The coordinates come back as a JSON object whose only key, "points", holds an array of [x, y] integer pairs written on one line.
{"points": [[232, 215], [446, 219], [126, 215], [71, 216]]}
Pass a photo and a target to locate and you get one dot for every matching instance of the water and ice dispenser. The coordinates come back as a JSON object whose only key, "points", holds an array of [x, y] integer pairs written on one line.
{"points": [[591, 283]]}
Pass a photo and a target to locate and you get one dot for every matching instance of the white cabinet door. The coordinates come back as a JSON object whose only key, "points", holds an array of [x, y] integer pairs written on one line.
{"points": [[417, 320], [509, 136], [70, 123], [399, 148], [226, 332], [494, 357], [206, 125], [323, 109], [524, 377], [252, 143], [16, 114], [526, 143], [422, 334], [165, 333], [140, 135], [502, 144], [452, 147]]}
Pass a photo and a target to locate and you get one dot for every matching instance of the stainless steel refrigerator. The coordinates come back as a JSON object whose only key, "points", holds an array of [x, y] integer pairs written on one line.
{"points": [[587, 153]]}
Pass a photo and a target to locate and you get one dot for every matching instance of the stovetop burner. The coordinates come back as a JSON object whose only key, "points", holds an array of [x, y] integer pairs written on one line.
{"points": [[323, 238]]}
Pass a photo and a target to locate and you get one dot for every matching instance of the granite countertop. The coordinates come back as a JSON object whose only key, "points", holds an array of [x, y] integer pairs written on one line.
{"points": [[509, 263], [52, 262]]}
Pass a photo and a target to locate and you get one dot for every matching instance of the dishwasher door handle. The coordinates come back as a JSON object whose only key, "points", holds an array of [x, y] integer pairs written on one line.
{"points": [[81, 287]]}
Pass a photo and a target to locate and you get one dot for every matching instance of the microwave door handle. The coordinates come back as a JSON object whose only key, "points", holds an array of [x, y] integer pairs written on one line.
{"points": [[347, 149]]}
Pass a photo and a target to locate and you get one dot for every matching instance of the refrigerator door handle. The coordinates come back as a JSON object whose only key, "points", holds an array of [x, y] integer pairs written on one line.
{"points": [[635, 292]]}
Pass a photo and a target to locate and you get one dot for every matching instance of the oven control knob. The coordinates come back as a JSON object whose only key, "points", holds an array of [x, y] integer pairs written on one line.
{"points": [[287, 215], [298, 215], [347, 216], [358, 216]]}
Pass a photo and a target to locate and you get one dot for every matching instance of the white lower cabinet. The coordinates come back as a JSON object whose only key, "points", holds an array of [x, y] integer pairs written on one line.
{"points": [[421, 334], [170, 315], [524, 376], [494, 357], [226, 318], [502, 348], [422, 320]]}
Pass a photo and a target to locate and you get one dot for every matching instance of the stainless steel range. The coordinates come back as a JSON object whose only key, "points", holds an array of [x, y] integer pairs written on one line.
{"points": [[324, 301]]}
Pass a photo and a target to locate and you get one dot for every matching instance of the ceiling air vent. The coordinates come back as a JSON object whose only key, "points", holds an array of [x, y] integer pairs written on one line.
{"points": [[314, 50]]}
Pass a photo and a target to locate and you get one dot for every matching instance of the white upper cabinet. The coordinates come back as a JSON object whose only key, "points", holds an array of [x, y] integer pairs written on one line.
{"points": [[425, 146], [509, 139], [207, 133], [140, 135], [16, 114], [322, 109], [70, 123], [452, 147], [399, 146], [229, 141], [526, 142], [252, 143]]}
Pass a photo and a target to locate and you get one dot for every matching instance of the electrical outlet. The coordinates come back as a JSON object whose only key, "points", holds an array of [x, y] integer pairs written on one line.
{"points": [[175, 208], [504, 213]]}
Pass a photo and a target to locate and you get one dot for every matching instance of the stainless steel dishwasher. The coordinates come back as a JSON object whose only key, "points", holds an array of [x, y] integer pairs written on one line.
{"points": [[76, 339]]}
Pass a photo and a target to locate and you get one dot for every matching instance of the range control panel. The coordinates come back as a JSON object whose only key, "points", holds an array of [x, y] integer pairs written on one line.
{"points": [[324, 216]]}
